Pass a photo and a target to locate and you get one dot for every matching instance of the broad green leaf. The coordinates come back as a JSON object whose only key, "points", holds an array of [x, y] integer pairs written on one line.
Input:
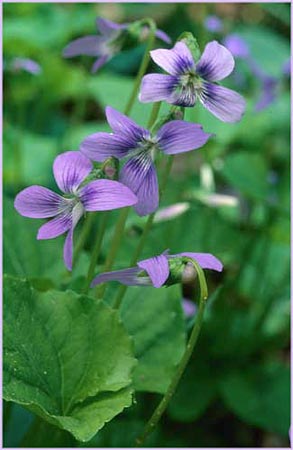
{"points": [[67, 358], [246, 172], [260, 395], [154, 318]]}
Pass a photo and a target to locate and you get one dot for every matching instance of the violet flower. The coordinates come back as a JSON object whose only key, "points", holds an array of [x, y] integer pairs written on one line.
{"points": [[156, 271], [190, 81], [107, 43], [137, 143], [26, 64], [70, 171], [213, 24], [237, 46]]}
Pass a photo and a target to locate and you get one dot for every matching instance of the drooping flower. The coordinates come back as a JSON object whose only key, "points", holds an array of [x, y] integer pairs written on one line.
{"points": [[26, 64], [160, 270], [213, 24], [70, 170], [139, 145], [112, 38], [189, 81]]}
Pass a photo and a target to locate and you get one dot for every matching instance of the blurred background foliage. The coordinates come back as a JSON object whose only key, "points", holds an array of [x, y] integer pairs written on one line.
{"points": [[236, 390]]}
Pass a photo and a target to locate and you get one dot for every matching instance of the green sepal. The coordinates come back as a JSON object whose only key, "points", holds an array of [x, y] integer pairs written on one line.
{"points": [[176, 267], [191, 43]]}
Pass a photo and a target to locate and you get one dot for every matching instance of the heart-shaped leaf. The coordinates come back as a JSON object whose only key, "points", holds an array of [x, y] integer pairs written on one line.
{"points": [[154, 318], [67, 358]]}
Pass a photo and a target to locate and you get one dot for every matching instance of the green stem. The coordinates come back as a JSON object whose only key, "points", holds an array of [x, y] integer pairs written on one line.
{"points": [[143, 66], [83, 235], [159, 411], [124, 213], [96, 251], [122, 289], [154, 114], [118, 233]]}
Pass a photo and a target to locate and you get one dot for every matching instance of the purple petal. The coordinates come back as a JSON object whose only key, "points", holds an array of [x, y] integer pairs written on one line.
{"points": [[179, 136], [106, 27], [70, 169], [139, 174], [68, 250], [160, 34], [87, 45], [176, 61], [122, 124], [68, 244], [225, 104], [157, 87], [100, 146], [38, 202], [205, 260], [104, 195], [126, 276], [157, 268], [55, 227], [100, 62], [26, 64], [215, 63], [189, 307], [237, 46]]}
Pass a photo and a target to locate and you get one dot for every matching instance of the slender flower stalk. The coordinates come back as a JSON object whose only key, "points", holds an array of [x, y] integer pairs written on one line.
{"points": [[116, 240], [155, 111], [87, 226], [96, 251], [143, 66], [161, 408], [122, 290]]}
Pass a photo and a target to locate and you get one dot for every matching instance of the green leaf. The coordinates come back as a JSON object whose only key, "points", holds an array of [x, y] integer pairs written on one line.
{"points": [[154, 318], [246, 172], [67, 358], [260, 395]]}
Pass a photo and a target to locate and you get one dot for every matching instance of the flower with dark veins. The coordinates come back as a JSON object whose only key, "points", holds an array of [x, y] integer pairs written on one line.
{"points": [[70, 171], [189, 81], [140, 146], [160, 270], [111, 39]]}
